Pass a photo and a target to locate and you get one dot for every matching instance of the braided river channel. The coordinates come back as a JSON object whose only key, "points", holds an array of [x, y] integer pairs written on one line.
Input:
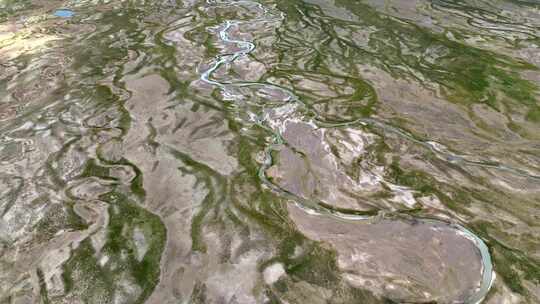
{"points": [[272, 151]]}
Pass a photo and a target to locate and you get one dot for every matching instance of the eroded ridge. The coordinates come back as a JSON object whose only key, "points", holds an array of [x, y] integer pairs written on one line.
{"points": [[273, 151]]}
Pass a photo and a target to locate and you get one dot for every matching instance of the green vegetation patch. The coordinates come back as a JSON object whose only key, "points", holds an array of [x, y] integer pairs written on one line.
{"points": [[511, 264], [97, 276], [455, 199], [466, 74]]}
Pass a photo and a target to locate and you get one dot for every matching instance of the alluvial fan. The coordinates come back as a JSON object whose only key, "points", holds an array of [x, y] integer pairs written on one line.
{"points": [[273, 151]]}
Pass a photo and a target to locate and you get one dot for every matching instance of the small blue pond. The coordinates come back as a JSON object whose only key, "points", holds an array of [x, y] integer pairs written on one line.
{"points": [[64, 13]]}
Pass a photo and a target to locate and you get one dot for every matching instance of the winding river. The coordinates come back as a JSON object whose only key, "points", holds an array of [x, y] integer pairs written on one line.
{"points": [[245, 48], [276, 151]]}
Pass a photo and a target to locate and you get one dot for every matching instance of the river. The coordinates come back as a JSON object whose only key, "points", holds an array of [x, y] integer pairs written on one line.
{"points": [[269, 151]]}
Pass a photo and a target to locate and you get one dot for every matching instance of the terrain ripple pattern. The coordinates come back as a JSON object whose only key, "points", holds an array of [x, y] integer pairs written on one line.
{"points": [[299, 151]]}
